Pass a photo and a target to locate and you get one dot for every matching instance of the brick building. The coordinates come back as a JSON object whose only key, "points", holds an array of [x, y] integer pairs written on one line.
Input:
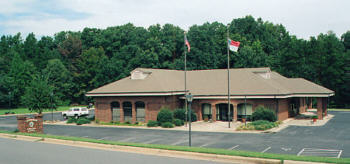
{"points": [[140, 96]]}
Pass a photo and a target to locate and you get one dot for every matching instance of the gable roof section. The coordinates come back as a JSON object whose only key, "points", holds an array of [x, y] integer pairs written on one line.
{"points": [[243, 82]]}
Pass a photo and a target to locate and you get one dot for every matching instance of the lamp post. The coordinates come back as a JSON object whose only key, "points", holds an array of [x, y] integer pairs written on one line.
{"points": [[189, 99], [9, 101], [51, 97]]}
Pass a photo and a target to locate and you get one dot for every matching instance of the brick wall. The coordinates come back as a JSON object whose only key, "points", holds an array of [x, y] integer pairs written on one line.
{"points": [[24, 124], [153, 104]]}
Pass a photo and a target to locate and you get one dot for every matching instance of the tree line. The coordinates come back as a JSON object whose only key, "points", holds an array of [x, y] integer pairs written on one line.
{"points": [[73, 63]]}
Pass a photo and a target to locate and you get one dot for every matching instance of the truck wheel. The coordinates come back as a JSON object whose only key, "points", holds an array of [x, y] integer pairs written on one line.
{"points": [[65, 117], [76, 116]]}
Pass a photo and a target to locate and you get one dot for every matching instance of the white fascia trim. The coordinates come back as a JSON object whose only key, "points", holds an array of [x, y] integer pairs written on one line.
{"points": [[134, 94], [262, 96]]}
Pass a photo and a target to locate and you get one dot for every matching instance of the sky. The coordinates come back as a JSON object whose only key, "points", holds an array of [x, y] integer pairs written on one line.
{"points": [[303, 18]]}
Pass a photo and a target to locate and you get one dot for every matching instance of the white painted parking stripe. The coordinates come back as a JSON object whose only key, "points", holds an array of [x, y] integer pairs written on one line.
{"points": [[127, 139], [150, 141], [179, 142], [266, 149], [339, 153], [320, 152], [301, 151], [233, 147], [205, 145]]}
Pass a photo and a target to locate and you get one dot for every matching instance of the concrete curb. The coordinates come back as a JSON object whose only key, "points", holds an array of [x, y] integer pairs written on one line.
{"points": [[147, 151]]}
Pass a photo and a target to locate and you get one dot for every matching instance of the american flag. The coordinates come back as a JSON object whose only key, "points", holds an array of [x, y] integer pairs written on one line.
{"points": [[187, 44]]}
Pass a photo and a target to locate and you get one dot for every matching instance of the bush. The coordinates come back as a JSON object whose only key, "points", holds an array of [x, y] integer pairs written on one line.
{"points": [[314, 117], [262, 113], [178, 122], [165, 115], [82, 120], [167, 125], [152, 123], [259, 125], [180, 114], [71, 120]]}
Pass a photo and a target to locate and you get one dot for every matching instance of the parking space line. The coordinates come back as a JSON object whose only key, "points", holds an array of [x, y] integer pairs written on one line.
{"points": [[320, 152], [301, 151], [151, 141], [339, 153], [179, 142], [205, 145], [127, 139], [233, 147], [266, 149]]}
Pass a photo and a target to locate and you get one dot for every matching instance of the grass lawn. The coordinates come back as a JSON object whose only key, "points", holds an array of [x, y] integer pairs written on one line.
{"points": [[281, 157], [334, 109], [25, 110]]}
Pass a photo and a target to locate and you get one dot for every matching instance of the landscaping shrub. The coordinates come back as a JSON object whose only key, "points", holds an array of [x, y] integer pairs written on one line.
{"points": [[262, 113], [167, 125], [152, 123], [180, 114], [71, 120], [82, 120], [259, 125], [165, 115], [178, 122]]}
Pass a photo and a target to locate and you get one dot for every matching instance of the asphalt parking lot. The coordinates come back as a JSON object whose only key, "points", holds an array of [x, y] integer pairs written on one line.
{"points": [[330, 140]]}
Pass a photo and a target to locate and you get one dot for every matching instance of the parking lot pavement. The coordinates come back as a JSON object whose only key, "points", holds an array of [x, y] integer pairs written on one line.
{"points": [[335, 135]]}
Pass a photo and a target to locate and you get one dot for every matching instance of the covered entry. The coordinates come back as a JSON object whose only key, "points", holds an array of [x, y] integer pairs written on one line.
{"points": [[222, 112], [127, 109], [244, 110], [115, 107]]}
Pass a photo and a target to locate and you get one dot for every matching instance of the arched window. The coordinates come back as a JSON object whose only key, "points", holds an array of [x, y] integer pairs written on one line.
{"points": [[127, 109], [140, 111], [206, 112], [115, 107], [244, 111]]}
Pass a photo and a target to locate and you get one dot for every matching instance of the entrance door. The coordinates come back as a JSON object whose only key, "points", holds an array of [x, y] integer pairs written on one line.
{"points": [[222, 112], [127, 109]]}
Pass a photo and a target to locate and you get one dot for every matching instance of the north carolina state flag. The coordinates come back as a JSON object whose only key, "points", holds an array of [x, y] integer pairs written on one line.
{"points": [[233, 45]]}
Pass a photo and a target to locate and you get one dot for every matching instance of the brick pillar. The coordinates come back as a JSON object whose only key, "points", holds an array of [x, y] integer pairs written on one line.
{"points": [[39, 126], [234, 112], [121, 112], [133, 114], [199, 111], [325, 102], [146, 112], [301, 105], [21, 126], [310, 103], [213, 108], [319, 108]]}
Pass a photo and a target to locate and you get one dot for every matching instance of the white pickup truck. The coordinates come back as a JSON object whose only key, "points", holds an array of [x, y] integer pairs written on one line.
{"points": [[76, 112]]}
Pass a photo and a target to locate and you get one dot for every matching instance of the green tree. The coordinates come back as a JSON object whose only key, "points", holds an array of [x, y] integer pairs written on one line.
{"points": [[39, 95], [60, 79]]}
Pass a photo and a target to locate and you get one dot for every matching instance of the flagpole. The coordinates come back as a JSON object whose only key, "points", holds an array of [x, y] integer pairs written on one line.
{"points": [[228, 77], [185, 77]]}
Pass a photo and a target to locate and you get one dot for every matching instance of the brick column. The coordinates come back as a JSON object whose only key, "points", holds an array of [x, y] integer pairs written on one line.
{"points": [[301, 105], [39, 126], [319, 108], [235, 112], [213, 108], [21, 126], [121, 112], [133, 114], [325, 102], [310, 102]]}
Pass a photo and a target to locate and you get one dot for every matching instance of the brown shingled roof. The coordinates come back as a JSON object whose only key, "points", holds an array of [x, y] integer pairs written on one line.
{"points": [[243, 81]]}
